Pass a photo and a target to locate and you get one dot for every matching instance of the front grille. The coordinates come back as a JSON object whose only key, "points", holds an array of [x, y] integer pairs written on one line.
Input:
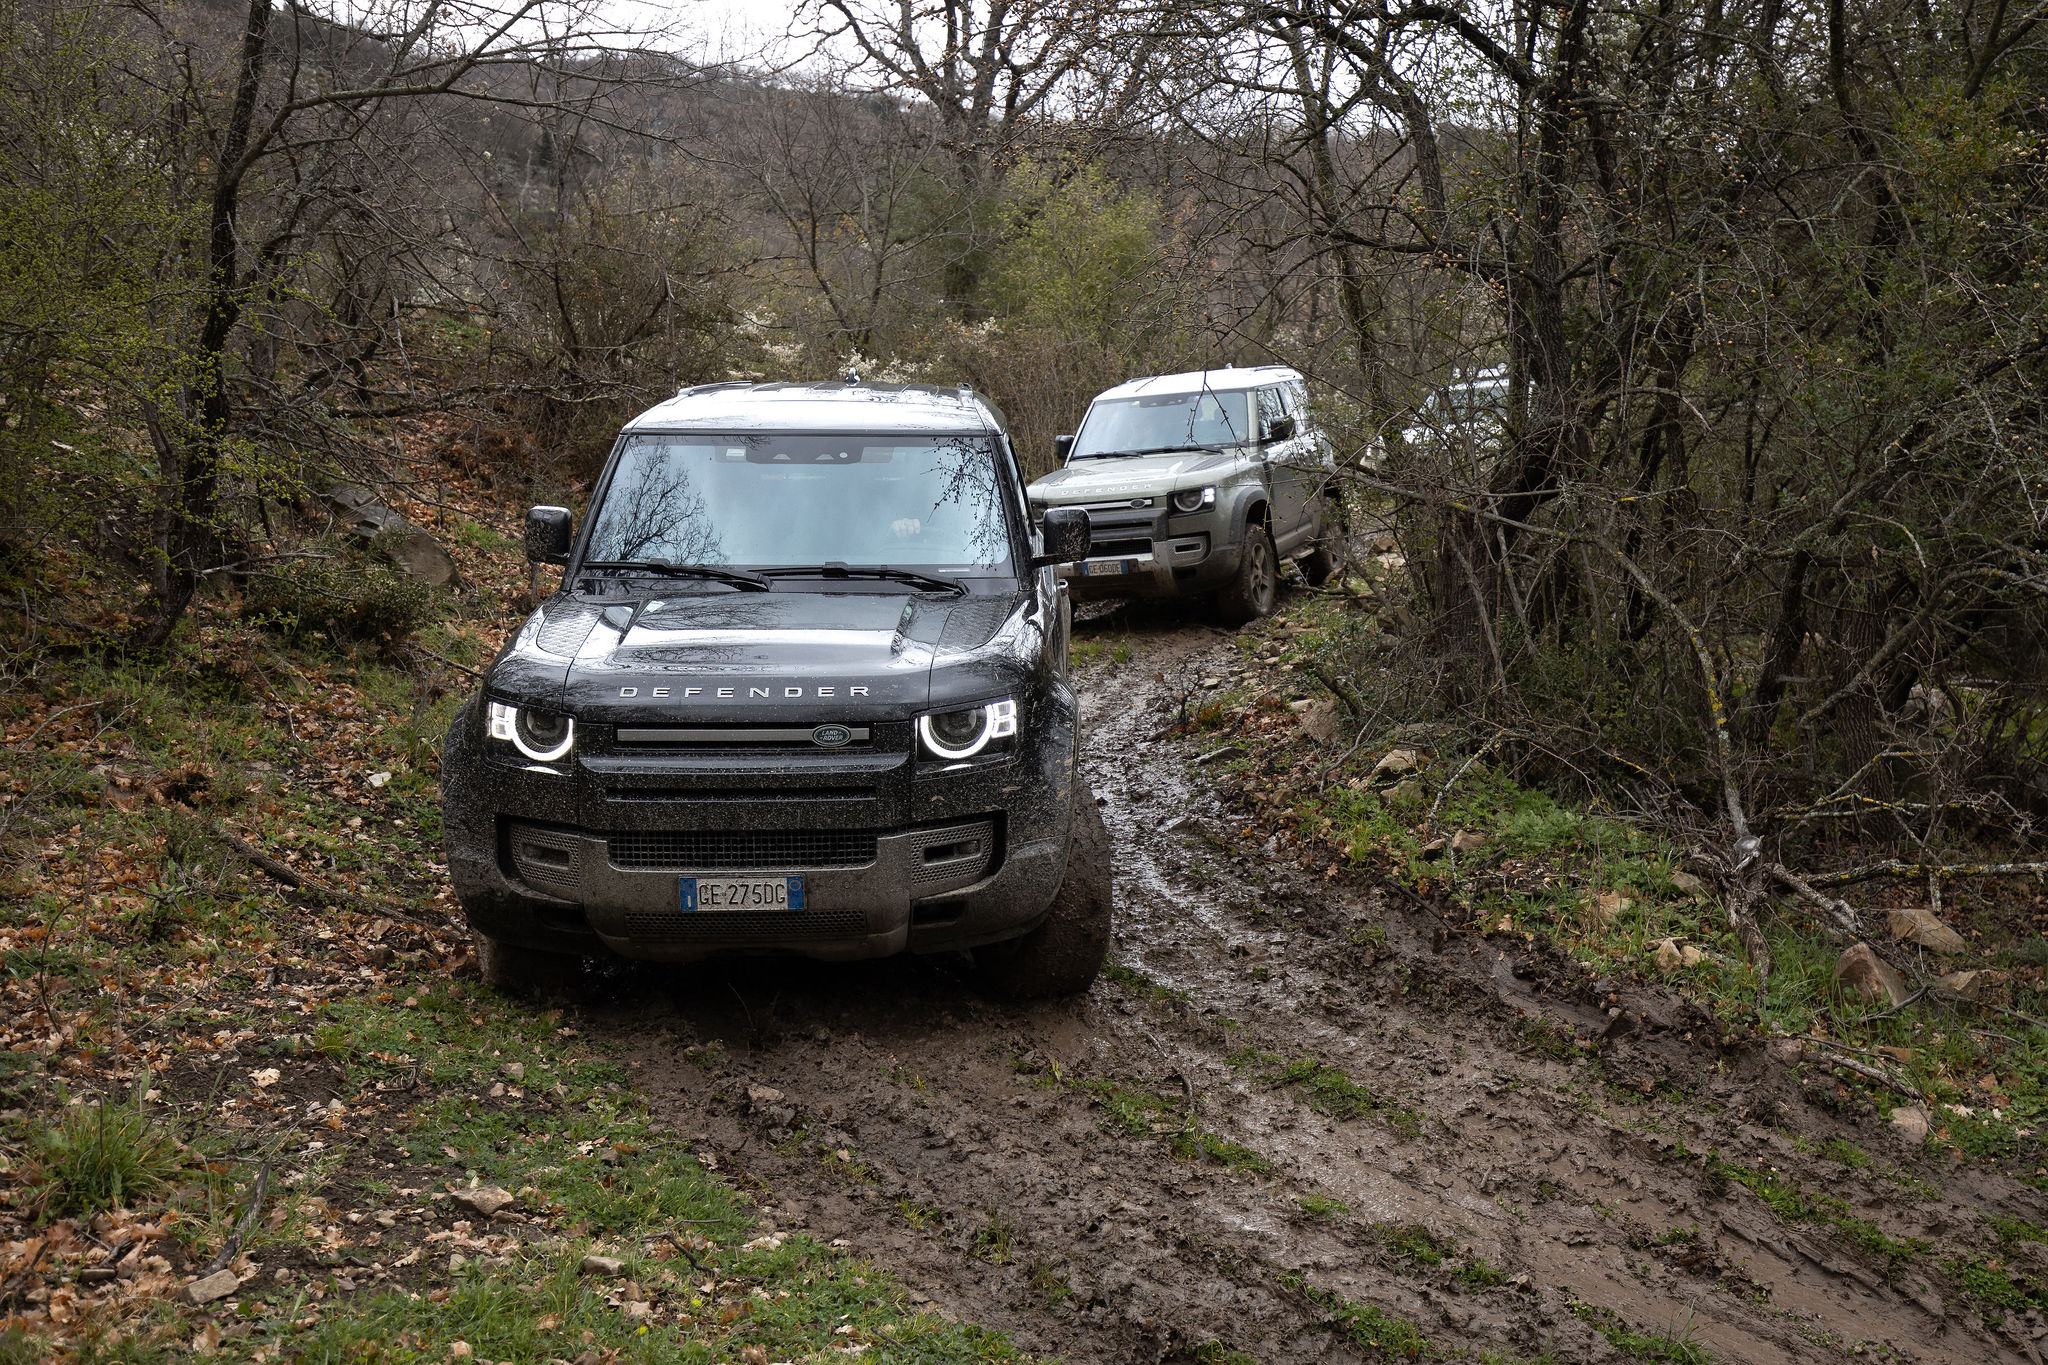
{"points": [[744, 738], [1120, 547], [752, 850], [956, 856], [751, 795], [745, 926], [547, 858]]}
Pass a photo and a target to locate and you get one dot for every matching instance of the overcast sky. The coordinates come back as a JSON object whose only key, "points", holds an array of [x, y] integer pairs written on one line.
{"points": [[719, 29]]}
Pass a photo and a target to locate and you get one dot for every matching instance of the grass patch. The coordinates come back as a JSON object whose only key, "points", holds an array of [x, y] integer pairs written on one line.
{"points": [[102, 1156], [1137, 983], [1792, 1203], [1675, 1346], [1992, 1288], [1417, 1246], [1322, 1206], [1201, 1144], [1327, 1090], [1378, 1333]]}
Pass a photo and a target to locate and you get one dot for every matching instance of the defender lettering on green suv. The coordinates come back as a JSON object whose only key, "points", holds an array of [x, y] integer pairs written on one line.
{"points": [[1198, 484]]}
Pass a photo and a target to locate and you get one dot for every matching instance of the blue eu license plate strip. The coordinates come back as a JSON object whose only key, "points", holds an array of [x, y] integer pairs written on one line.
{"points": [[1097, 568], [743, 893]]}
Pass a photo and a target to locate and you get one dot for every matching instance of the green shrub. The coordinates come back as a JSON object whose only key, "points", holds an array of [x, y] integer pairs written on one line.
{"points": [[101, 1156], [343, 598]]}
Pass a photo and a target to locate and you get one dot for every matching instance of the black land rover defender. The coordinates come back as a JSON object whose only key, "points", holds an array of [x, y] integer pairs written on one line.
{"points": [[802, 690]]}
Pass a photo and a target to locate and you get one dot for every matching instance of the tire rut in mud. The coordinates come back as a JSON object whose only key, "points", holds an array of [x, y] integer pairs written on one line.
{"points": [[1286, 1095]]}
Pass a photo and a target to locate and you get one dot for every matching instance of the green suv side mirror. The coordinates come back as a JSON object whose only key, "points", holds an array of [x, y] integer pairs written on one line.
{"points": [[1280, 429], [1066, 534], [548, 533], [1061, 446]]}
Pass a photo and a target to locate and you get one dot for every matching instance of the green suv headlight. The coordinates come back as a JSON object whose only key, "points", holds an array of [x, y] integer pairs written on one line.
{"points": [[967, 731], [1194, 499]]}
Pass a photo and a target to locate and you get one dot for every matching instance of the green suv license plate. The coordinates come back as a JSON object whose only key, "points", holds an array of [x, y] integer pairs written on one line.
{"points": [[743, 893], [1096, 568]]}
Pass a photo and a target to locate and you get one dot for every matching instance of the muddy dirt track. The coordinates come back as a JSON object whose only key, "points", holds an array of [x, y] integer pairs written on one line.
{"points": [[1018, 1164]]}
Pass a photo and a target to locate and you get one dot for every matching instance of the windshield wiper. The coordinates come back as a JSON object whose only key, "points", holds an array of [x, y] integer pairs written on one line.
{"points": [[1149, 450], [834, 569], [738, 578]]}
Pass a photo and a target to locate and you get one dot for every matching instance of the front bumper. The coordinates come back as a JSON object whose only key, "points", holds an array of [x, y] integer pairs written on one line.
{"points": [[1151, 553], [591, 862], [1177, 568]]}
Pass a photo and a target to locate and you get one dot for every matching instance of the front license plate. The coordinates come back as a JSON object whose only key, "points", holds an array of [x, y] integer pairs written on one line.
{"points": [[1096, 568], [743, 893]]}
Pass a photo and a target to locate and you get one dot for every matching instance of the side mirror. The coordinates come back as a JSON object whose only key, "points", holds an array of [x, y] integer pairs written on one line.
{"points": [[1280, 429], [1061, 445], [1066, 535], [548, 533]]}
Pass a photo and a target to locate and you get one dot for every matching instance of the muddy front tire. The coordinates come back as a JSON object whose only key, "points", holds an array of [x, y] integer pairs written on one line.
{"points": [[529, 973], [1255, 589], [1063, 954]]}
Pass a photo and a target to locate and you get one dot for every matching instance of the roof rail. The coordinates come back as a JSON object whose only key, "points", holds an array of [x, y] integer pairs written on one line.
{"points": [[710, 388]]}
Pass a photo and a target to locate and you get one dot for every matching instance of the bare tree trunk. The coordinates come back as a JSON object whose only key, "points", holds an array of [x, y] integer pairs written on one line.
{"points": [[191, 533]]}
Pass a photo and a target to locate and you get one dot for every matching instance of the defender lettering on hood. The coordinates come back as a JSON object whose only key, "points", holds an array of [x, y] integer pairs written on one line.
{"points": [[786, 693]]}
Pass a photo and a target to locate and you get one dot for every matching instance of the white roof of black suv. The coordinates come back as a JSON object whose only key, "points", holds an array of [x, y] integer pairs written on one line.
{"points": [[910, 409], [1230, 380]]}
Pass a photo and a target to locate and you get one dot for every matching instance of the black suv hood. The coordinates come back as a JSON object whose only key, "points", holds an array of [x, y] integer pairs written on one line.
{"points": [[739, 656]]}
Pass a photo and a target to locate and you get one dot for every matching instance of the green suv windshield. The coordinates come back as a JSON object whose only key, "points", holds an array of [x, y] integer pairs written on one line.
{"points": [[761, 501], [1156, 423]]}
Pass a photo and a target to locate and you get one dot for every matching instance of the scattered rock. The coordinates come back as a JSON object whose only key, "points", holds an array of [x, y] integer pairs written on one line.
{"points": [[1909, 1123], [1862, 972], [761, 1096], [404, 544], [484, 1200], [1917, 924], [1397, 761], [378, 779], [1604, 908], [1319, 719], [1467, 841], [1691, 956], [515, 1070], [1970, 984], [607, 1266], [1405, 792], [1689, 884], [1669, 959], [1212, 682], [218, 1285]]}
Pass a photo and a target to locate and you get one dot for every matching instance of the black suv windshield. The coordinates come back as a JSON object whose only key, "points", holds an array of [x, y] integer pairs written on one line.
{"points": [[1152, 423], [762, 501]]}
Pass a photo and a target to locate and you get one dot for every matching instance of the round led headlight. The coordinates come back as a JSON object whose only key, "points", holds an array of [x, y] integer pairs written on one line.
{"points": [[542, 736], [1193, 499], [967, 731]]}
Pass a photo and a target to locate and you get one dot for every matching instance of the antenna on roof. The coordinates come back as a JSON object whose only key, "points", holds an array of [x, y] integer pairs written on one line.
{"points": [[852, 375]]}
